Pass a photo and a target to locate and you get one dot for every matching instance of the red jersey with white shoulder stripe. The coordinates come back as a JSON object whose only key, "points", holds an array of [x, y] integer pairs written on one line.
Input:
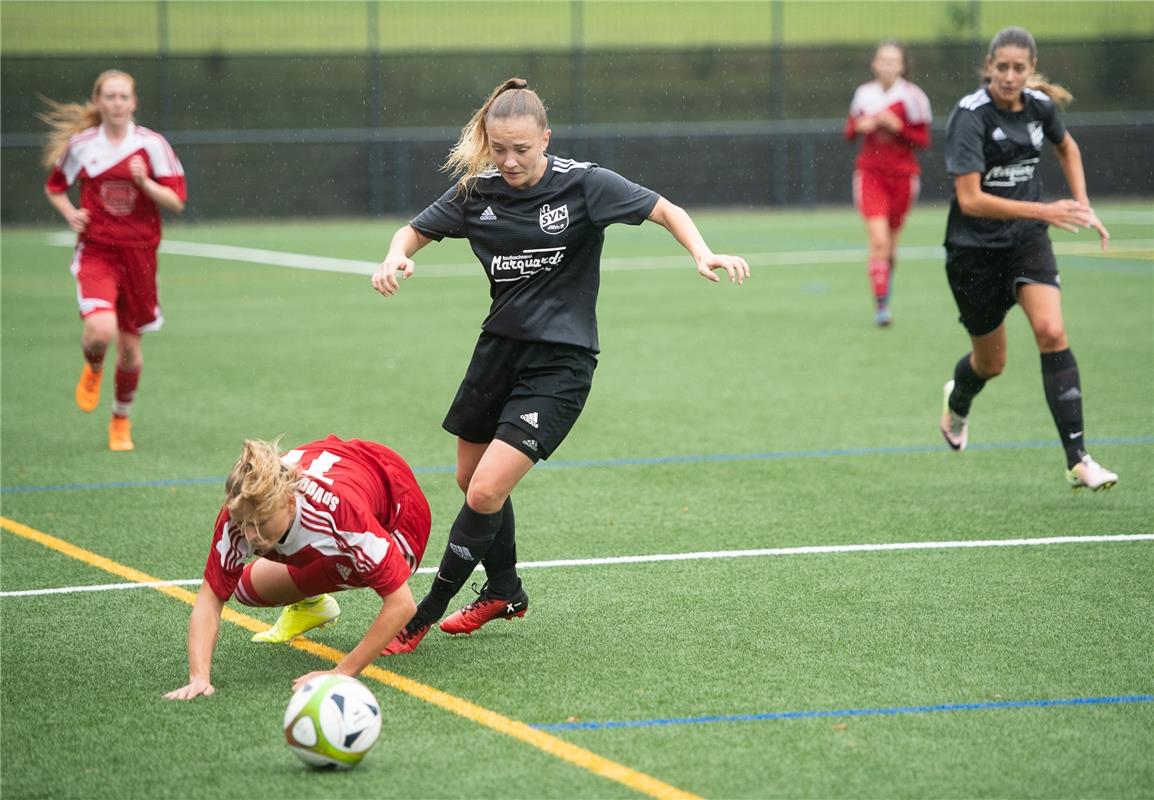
{"points": [[882, 150], [120, 214], [358, 506]]}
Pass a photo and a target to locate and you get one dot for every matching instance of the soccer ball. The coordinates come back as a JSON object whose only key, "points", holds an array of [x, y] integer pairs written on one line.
{"points": [[332, 721]]}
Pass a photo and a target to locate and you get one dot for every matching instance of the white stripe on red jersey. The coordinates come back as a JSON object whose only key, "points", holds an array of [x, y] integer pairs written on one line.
{"points": [[871, 98], [407, 550], [234, 549], [365, 548]]}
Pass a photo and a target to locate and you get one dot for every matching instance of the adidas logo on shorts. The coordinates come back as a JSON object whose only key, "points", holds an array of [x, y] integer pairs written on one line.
{"points": [[531, 418], [487, 215], [531, 444]]}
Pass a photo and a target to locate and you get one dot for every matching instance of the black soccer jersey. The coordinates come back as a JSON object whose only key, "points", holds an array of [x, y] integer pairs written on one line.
{"points": [[1004, 146], [540, 247]]}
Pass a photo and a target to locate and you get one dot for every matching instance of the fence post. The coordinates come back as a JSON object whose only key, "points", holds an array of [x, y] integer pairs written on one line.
{"points": [[577, 63], [776, 60], [162, 46], [376, 149]]}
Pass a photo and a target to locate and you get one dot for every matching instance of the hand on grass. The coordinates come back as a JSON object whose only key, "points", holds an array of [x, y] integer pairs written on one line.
{"points": [[195, 688], [303, 679]]}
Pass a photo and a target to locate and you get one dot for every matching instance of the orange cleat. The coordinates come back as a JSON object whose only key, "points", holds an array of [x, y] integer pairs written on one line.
{"points": [[120, 435], [88, 388]]}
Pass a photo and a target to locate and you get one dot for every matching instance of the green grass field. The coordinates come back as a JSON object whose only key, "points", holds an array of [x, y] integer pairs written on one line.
{"points": [[722, 419], [263, 26]]}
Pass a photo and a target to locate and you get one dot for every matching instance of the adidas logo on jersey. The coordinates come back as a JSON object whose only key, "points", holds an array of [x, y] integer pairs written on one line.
{"points": [[345, 571], [487, 215], [531, 418], [998, 135]]}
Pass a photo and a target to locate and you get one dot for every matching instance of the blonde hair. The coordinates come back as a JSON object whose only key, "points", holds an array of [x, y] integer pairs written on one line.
{"points": [[1020, 37], [470, 155], [68, 119], [258, 482]]}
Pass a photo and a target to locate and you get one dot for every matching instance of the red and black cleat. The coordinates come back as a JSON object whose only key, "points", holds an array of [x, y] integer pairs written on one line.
{"points": [[407, 640], [486, 608]]}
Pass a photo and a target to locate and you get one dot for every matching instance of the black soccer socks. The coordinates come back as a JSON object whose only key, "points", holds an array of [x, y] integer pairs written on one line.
{"points": [[470, 539], [967, 384], [1063, 387]]}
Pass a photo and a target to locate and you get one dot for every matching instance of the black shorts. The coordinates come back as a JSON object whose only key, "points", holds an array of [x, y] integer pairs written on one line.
{"points": [[527, 394], [985, 281]]}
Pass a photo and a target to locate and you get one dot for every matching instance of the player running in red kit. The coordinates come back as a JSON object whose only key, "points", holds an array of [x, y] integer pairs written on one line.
{"points": [[892, 116], [126, 173]]}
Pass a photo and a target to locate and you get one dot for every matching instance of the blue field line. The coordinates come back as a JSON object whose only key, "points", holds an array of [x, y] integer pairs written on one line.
{"points": [[696, 458], [847, 712]]}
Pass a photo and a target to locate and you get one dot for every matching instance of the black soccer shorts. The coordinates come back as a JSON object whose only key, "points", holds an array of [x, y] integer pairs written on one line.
{"points": [[527, 394], [985, 281]]}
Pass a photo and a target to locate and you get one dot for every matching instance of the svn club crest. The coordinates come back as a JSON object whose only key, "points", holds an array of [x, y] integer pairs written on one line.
{"points": [[1035, 129], [554, 220]]}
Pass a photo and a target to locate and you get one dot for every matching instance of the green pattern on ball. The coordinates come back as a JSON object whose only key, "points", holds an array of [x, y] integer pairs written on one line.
{"points": [[323, 748]]}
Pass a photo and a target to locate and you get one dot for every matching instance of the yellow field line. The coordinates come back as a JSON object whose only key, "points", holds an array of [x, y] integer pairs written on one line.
{"points": [[578, 756]]}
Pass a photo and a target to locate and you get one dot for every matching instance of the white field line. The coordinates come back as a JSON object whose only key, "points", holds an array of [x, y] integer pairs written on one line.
{"points": [[1132, 217], [850, 255], [101, 587], [701, 556]]}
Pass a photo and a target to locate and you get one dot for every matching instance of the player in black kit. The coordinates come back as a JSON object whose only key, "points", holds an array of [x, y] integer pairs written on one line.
{"points": [[536, 223], [998, 251]]}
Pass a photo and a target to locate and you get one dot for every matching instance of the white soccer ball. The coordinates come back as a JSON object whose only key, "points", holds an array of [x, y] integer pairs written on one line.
{"points": [[332, 721]]}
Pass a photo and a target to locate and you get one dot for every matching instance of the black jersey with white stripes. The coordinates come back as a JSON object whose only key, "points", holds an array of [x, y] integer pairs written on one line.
{"points": [[1005, 147], [541, 246]]}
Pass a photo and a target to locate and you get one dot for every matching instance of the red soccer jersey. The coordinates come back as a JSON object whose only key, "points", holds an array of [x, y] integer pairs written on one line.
{"points": [[349, 499], [119, 213], [883, 151]]}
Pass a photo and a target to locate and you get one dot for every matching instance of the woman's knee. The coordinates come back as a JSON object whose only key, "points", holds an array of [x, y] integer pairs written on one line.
{"points": [[1050, 335], [485, 496], [129, 354], [879, 247], [990, 365], [99, 329]]}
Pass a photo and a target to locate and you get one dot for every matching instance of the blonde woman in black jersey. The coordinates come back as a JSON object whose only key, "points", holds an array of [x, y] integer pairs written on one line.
{"points": [[536, 223]]}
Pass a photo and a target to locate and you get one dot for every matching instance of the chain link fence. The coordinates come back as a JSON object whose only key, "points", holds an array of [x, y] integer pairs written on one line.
{"points": [[324, 134]]}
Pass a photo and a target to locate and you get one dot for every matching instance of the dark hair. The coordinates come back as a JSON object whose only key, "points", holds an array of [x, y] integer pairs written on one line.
{"points": [[1020, 37], [1013, 37], [907, 63]]}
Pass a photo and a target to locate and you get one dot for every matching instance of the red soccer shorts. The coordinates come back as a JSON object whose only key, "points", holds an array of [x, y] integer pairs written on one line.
{"points": [[120, 279], [880, 195]]}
